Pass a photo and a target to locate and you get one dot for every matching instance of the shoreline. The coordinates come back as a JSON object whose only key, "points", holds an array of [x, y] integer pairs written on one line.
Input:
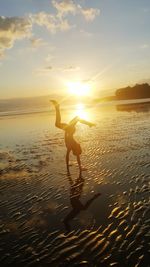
{"points": [[145, 101]]}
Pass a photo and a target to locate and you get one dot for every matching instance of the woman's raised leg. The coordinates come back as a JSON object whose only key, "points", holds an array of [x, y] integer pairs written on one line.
{"points": [[58, 122]]}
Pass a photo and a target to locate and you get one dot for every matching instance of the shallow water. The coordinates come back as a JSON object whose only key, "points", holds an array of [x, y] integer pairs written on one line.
{"points": [[49, 218]]}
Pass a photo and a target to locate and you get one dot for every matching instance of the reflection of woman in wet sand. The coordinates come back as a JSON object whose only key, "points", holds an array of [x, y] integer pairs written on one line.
{"points": [[70, 129], [77, 206]]}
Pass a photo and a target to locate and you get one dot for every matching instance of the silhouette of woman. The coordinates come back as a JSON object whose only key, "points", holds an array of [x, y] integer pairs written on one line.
{"points": [[76, 189], [70, 129]]}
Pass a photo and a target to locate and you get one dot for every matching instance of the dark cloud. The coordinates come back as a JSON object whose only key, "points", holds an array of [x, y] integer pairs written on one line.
{"points": [[11, 29]]}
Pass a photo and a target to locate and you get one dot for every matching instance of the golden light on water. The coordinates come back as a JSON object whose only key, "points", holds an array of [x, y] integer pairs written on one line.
{"points": [[78, 88], [82, 112]]}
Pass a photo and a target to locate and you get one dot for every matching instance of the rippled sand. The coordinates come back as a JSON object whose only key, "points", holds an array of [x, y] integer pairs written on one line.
{"points": [[48, 218]]}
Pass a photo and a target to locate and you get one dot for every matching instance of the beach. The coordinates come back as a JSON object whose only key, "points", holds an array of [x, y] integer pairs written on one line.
{"points": [[110, 220]]}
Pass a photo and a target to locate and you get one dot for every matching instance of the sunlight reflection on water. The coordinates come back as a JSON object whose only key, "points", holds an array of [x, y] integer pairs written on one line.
{"points": [[82, 112]]}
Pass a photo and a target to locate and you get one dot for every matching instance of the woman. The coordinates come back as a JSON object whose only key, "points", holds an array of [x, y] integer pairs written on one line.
{"points": [[70, 129]]}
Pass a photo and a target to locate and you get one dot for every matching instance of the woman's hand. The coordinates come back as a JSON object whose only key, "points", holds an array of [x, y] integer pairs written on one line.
{"points": [[91, 124]]}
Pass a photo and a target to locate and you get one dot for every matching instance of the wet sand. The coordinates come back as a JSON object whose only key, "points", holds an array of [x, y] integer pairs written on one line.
{"points": [[48, 218]]}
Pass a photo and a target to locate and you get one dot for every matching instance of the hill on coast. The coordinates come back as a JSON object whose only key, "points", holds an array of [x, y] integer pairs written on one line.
{"points": [[137, 91]]}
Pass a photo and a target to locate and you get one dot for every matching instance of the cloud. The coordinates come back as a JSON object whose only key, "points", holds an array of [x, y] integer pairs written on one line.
{"points": [[47, 70], [58, 21], [65, 68], [71, 68], [50, 56], [44, 19], [51, 22], [17, 28], [36, 42], [86, 33], [12, 29], [64, 7], [90, 13]]}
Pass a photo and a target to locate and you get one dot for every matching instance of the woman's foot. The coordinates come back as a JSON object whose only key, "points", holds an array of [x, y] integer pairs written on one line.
{"points": [[54, 102]]}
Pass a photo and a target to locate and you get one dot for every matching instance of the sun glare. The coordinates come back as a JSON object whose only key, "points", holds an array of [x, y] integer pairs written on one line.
{"points": [[79, 88], [81, 111]]}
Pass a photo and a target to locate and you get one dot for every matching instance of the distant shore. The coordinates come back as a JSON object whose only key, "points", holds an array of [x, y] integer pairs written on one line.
{"points": [[139, 91]]}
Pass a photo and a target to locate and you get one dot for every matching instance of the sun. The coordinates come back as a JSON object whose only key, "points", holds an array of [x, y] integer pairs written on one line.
{"points": [[79, 88]]}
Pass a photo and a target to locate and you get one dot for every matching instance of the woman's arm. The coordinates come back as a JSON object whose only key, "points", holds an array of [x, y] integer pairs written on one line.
{"points": [[77, 119], [90, 124]]}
